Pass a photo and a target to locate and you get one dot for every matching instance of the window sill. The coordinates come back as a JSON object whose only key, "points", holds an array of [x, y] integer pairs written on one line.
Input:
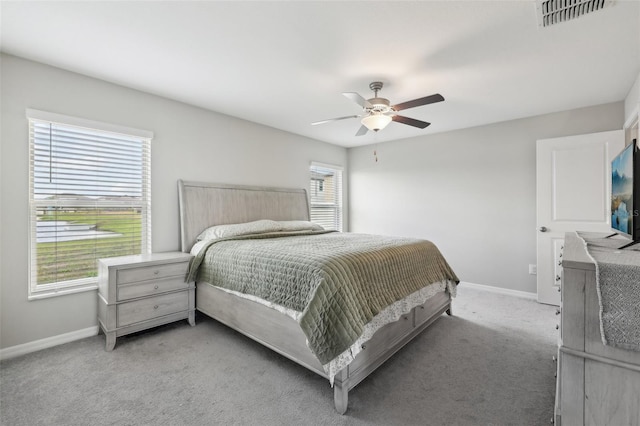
{"points": [[46, 294]]}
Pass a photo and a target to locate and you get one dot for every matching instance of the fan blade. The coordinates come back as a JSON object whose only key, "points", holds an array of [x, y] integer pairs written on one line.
{"points": [[358, 99], [410, 121], [419, 102], [334, 119], [362, 130]]}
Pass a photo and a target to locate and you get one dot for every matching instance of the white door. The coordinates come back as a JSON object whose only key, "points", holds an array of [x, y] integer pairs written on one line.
{"points": [[572, 194]]}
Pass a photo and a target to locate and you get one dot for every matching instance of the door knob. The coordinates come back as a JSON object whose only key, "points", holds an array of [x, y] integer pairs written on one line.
{"points": [[543, 229]]}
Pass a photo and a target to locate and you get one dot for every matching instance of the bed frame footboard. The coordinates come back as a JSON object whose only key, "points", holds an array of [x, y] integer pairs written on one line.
{"points": [[385, 343], [283, 334]]}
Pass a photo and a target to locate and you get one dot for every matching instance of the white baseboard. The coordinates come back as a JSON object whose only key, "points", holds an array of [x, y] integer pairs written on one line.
{"points": [[49, 342], [37, 345], [516, 293]]}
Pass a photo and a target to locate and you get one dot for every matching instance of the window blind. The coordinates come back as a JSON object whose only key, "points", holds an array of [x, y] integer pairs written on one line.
{"points": [[325, 196], [90, 199]]}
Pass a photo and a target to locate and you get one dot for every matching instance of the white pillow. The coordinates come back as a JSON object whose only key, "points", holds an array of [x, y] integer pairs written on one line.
{"points": [[237, 229], [299, 225], [256, 227]]}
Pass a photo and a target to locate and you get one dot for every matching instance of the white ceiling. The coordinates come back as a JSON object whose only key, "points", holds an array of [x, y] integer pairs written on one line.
{"points": [[285, 64]]}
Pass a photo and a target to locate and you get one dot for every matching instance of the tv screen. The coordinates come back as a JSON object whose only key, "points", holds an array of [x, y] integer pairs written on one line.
{"points": [[622, 191]]}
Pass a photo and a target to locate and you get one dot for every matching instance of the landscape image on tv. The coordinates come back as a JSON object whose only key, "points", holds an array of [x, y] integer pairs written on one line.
{"points": [[622, 191]]}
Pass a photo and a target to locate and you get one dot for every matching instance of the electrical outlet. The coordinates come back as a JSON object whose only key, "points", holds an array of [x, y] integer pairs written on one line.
{"points": [[533, 269]]}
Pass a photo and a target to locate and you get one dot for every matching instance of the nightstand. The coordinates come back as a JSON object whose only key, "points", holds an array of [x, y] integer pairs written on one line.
{"points": [[143, 291]]}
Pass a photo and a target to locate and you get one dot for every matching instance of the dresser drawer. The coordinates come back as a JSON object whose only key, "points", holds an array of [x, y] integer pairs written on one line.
{"points": [[152, 307], [150, 288], [131, 275]]}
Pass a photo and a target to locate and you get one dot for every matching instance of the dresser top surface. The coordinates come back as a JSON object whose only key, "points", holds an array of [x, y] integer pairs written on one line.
{"points": [[575, 252]]}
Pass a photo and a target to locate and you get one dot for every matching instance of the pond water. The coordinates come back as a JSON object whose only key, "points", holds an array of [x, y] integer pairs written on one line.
{"points": [[48, 231]]}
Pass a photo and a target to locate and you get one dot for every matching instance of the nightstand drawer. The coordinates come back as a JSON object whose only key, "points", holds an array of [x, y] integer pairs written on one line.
{"points": [[152, 307], [150, 288], [130, 275]]}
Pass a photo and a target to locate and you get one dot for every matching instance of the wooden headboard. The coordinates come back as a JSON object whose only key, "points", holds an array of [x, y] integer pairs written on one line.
{"points": [[206, 204]]}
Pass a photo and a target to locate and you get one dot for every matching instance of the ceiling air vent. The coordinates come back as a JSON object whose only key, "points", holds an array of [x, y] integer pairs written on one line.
{"points": [[551, 12]]}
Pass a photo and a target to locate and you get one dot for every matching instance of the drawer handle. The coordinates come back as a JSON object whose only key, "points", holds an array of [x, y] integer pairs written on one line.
{"points": [[557, 326], [155, 286], [156, 272], [421, 307], [155, 307]]}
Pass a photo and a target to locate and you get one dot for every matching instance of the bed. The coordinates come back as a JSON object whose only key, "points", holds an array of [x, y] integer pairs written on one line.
{"points": [[285, 330]]}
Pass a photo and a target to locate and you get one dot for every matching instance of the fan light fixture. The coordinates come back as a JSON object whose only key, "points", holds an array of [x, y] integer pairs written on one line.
{"points": [[376, 122], [378, 112]]}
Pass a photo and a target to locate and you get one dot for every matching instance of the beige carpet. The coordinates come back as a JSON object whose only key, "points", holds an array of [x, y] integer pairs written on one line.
{"points": [[489, 364]]}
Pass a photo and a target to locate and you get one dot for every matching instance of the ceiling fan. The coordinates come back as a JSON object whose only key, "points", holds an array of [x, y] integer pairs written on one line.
{"points": [[378, 112]]}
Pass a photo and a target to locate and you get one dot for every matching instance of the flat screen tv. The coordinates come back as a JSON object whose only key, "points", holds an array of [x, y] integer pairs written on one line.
{"points": [[625, 193]]}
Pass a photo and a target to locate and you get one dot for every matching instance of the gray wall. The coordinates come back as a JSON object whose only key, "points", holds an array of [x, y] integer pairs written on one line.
{"points": [[632, 102], [632, 112], [190, 143], [470, 191]]}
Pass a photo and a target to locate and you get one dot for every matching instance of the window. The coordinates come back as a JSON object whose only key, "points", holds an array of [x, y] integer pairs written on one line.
{"points": [[325, 193], [89, 198]]}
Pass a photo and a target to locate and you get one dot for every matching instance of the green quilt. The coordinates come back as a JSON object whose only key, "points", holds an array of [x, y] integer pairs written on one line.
{"points": [[339, 281]]}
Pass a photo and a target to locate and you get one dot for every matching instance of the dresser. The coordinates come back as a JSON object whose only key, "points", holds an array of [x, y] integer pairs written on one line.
{"points": [[596, 384], [143, 291]]}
